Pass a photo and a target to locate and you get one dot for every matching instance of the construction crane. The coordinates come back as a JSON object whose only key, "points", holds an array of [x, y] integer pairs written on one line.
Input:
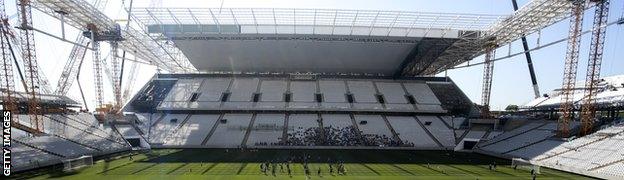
{"points": [[527, 55], [7, 81], [116, 76], [96, 36], [71, 66], [31, 69], [17, 51], [97, 69], [77, 54], [133, 73], [588, 108], [81, 14], [488, 71], [569, 72]]}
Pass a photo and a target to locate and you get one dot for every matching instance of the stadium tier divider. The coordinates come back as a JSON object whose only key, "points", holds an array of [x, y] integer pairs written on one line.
{"points": [[115, 130], [249, 129], [526, 145], [464, 134], [428, 132], [213, 129], [176, 128], [445, 123], [285, 128], [162, 116], [394, 133]]}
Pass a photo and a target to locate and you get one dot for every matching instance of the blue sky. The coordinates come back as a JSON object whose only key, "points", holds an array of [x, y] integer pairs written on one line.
{"points": [[512, 84]]}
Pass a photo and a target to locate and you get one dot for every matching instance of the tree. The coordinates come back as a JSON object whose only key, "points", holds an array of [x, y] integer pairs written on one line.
{"points": [[511, 107]]}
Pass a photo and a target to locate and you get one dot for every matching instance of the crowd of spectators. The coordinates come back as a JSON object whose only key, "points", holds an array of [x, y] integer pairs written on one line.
{"points": [[339, 136], [304, 137]]}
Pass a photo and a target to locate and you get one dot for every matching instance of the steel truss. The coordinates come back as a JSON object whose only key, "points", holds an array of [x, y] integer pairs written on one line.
{"points": [[570, 69], [536, 15], [79, 14], [588, 108], [76, 54], [31, 69], [488, 73]]}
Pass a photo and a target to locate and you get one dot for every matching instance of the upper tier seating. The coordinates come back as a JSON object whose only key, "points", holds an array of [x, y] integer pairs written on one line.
{"points": [[247, 93]]}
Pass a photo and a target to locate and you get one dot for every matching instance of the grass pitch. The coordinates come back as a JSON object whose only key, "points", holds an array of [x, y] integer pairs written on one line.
{"points": [[235, 164]]}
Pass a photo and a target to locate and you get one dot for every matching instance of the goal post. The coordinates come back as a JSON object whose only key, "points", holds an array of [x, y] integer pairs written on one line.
{"points": [[77, 163], [518, 163]]}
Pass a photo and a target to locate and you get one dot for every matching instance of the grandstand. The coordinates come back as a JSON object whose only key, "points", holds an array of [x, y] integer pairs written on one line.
{"points": [[610, 95], [346, 94]]}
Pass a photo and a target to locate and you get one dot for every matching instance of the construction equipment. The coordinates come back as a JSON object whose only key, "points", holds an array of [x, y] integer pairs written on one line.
{"points": [[71, 66], [569, 72], [31, 69], [588, 108], [116, 75], [488, 71], [7, 83], [97, 70], [81, 14], [96, 36], [16, 51], [527, 55]]}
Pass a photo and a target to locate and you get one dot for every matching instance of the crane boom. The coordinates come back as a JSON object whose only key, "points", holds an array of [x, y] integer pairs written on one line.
{"points": [[71, 67]]}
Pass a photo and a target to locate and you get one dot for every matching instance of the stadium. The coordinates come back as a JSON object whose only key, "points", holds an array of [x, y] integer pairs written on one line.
{"points": [[294, 93]]}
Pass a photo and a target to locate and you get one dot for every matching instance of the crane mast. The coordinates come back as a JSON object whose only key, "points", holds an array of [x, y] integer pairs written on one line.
{"points": [[488, 72], [570, 67], [97, 70], [7, 80], [31, 69], [588, 108], [116, 74], [77, 53]]}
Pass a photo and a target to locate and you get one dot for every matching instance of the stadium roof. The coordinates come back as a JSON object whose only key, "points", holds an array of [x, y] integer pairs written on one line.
{"points": [[311, 40], [610, 94]]}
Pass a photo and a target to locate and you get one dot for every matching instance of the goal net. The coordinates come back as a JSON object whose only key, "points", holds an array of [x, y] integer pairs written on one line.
{"points": [[518, 163], [77, 163]]}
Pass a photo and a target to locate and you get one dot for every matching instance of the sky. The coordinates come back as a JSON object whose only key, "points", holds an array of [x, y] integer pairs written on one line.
{"points": [[511, 82]]}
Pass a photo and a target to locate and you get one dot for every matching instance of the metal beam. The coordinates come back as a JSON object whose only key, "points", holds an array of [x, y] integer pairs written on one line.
{"points": [[535, 15], [592, 76], [81, 13], [570, 68], [527, 55]]}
